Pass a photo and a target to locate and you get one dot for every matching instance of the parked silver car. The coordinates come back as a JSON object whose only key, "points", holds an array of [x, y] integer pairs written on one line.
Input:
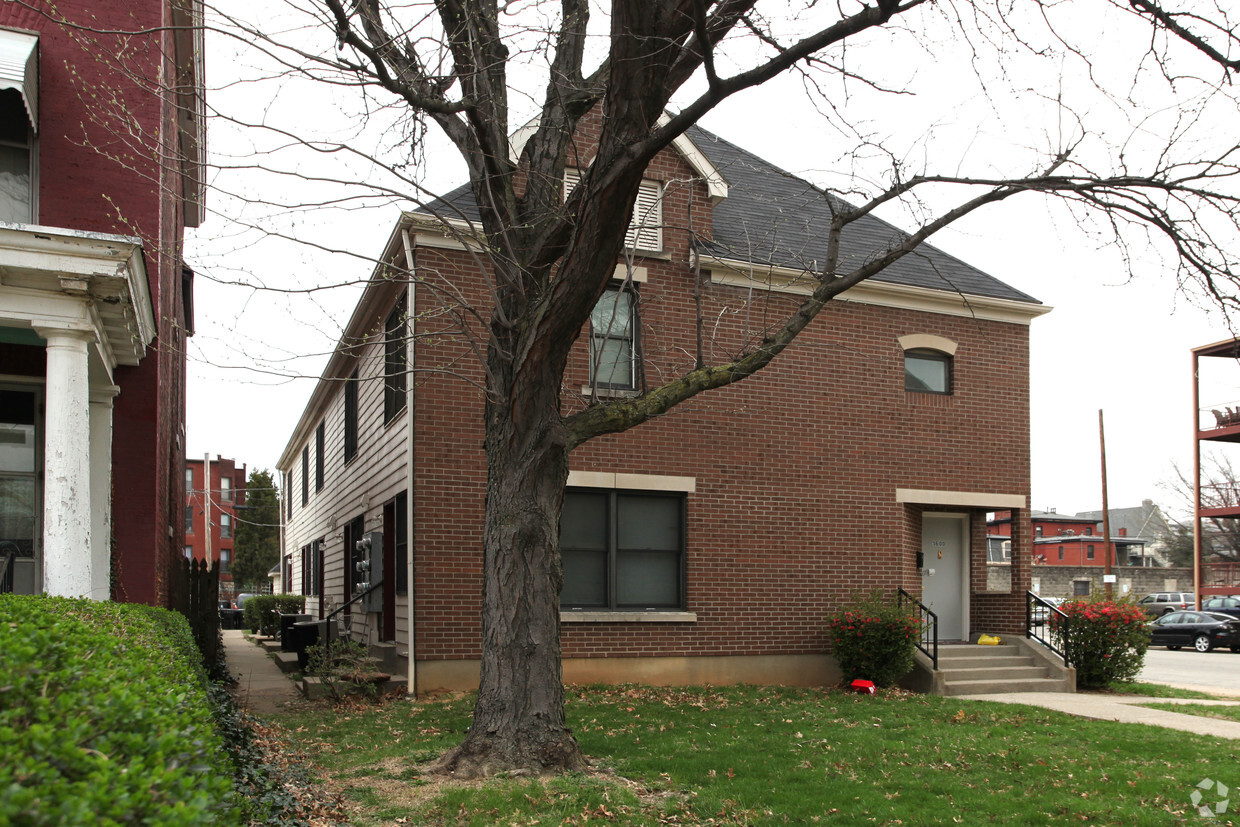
{"points": [[1161, 603]]}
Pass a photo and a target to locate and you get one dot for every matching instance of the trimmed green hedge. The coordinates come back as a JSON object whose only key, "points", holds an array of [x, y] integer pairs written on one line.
{"points": [[105, 719], [260, 611]]}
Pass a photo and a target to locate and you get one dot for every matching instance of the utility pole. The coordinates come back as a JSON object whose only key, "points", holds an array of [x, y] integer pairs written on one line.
{"points": [[1108, 579], [206, 498]]}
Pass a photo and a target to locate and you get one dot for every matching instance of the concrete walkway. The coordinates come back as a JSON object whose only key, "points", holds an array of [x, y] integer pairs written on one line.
{"points": [[261, 687], [1123, 708]]}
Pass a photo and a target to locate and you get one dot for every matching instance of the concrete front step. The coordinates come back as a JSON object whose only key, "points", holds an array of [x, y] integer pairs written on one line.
{"points": [[995, 687], [1023, 672], [994, 662]]}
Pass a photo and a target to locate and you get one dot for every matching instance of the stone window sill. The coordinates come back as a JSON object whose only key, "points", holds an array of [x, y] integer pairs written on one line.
{"points": [[628, 617]]}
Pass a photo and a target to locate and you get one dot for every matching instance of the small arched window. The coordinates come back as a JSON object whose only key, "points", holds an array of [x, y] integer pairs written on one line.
{"points": [[927, 371], [928, 363]]}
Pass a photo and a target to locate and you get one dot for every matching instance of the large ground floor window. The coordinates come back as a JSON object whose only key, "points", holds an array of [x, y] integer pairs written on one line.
{"points": [[622, 550]]}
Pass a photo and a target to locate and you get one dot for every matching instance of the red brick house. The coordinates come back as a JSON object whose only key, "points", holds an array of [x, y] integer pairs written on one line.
{"points": [[214, 490], [94, 295], [708, 546], [1066, 540]]}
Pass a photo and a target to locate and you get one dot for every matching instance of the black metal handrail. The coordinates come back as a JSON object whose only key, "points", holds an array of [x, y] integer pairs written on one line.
{"points": [[334, 612], [928, 622], [1046, 624]]}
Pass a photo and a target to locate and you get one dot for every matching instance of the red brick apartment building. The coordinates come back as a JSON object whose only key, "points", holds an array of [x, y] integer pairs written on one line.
{"points": [[1065, 540], [214, 490], [707, 546], [94, 295]]}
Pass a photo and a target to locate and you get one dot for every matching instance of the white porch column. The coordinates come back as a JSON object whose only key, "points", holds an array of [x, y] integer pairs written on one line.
{"points": [[101, 491], [66, 465]]}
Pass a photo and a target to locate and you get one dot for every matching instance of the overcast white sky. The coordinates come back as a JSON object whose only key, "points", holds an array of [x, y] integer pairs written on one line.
{"points": [[1110, 343]]}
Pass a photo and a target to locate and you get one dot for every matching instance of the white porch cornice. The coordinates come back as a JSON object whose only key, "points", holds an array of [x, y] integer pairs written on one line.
{"points": [[57, 278]]}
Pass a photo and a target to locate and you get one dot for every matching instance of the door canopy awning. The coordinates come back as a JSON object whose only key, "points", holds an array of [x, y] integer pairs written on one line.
{"points": [[19, 69]]}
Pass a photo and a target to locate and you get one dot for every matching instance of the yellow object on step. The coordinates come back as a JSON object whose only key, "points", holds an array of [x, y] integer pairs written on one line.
{"points": [[988, 640]]}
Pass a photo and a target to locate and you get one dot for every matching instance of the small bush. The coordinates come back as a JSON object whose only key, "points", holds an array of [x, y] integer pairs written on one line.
{"points": [[874, 639], [261, 611], [105, 718], [344, 666], [1106, 640]]}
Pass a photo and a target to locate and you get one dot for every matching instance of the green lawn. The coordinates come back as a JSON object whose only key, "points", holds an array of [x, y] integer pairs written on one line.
{"points": [[1226, 713], [755, 755]]}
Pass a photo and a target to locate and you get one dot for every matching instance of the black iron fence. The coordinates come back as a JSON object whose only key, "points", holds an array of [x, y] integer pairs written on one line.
{"points": [[196, 594]]}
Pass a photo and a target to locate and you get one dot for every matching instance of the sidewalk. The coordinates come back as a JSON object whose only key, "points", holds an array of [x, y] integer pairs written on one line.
{"points": [[261, 687], [1123, 708]]}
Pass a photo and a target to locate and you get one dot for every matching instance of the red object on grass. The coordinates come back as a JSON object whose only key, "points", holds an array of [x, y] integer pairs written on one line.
{"points": [[864, 687]]}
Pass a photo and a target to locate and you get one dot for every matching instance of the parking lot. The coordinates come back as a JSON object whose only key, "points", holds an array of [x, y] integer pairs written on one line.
{"points": [[1214, 671]]}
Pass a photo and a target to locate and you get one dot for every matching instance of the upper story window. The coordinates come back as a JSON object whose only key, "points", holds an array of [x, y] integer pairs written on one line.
{"points": [[19, 122], [226, 490], [394, 350], [189, 480], [305, 475], [350, 416], [613, 342], [928, 363], [927, 371], [645, 231], [225, 526], [320, 445]]}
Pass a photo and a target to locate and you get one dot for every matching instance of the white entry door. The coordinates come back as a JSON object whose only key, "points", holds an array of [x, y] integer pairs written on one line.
{"points": [[943, 572]]}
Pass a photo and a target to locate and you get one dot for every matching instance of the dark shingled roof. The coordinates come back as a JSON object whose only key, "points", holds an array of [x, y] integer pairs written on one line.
{"points": [[772, 217]]}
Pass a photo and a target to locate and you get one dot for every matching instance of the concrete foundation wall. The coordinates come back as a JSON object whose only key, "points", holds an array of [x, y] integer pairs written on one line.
{"points": [[781, 670]]}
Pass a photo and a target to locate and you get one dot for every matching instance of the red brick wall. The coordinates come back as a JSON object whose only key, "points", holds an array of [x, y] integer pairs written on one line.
{"points": [[99, 175], [796, 468]]}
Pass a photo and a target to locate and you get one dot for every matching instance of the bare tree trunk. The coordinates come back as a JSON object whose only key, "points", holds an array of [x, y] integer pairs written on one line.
{"points": [[519, 722]]}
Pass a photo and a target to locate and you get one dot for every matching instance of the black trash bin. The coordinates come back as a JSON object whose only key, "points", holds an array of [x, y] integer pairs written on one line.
{"points": [[286, 628], [305, 634]]}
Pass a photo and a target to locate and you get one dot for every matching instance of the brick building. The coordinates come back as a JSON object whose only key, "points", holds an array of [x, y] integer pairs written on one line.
{"points": [[1067, 540], [214, 490], [101, 154], [707, 546]]}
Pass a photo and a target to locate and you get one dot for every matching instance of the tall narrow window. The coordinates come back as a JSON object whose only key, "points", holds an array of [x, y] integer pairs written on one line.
{"points": [[350, 416], [288, 494], [226, 490], [320, 445], [189, 480], [394, 361], [305, 475], [225, 525], [307, 568], [189, 519], [402, 543], [613, 344], [16, 192]]}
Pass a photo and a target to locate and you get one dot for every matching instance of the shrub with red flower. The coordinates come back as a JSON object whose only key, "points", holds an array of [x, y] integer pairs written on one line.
{"points": [[1104, 639], [874, 639]]}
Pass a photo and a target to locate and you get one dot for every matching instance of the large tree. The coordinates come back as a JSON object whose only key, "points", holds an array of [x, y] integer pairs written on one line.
{"points": [[256, 542], [477, 69]]}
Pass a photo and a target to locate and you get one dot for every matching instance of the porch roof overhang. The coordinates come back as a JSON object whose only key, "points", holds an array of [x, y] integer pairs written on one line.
{"points": [[967, 499], [53, 278]]}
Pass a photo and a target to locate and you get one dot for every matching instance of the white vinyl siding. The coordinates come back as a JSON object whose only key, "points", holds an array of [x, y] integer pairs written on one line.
{"points": [[375, 474]]}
